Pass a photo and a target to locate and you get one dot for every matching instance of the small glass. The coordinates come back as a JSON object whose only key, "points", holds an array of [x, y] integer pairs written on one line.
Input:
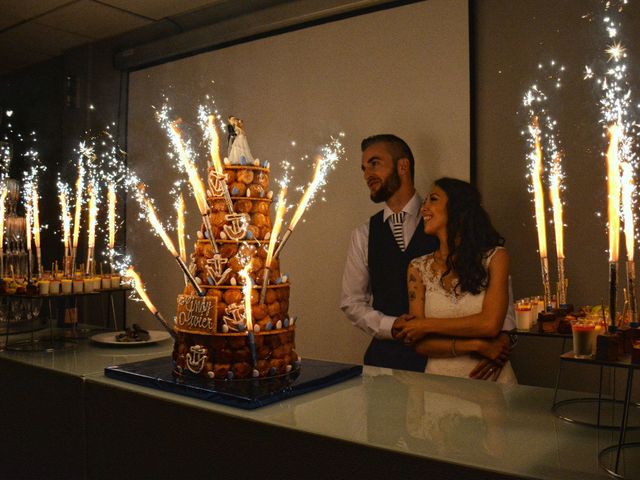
{"points": [[524, 315], [584, 338]]}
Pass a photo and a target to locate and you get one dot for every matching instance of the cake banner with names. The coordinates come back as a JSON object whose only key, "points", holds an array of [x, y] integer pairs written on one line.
{"points": [[197, 314]]}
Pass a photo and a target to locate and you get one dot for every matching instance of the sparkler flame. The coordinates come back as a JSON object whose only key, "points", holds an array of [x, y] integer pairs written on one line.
{"points": [[146, 204], [613, 190], [111, 200], [246, 292], [214, 142], [66, 219], [27, 218], [93, 214], [181, 239], [78, 206], [555, 181], [194, 178], [628, 191], [281, 208], [139, 287], [318, 178], [536, 181], [36, 216]]}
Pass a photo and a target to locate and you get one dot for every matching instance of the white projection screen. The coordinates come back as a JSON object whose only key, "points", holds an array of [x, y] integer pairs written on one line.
{"points": [[403, 70]]}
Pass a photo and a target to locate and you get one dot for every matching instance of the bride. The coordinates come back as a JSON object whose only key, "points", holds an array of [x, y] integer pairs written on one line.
{"points": [[458, 295]]}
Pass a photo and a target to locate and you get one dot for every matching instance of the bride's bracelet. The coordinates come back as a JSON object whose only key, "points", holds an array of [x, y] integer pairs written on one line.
{"points": [[453, 347]]}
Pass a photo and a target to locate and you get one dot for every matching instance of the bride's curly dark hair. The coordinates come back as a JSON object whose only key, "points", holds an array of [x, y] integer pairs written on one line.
{"points": [[470, 235]]}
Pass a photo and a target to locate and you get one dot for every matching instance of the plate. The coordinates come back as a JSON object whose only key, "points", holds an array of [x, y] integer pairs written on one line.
{"points": [[109, 338]]}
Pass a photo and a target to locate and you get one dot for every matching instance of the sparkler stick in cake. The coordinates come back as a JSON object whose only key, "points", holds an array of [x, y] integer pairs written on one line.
{"points": [[215, 160], [147, 206], [36, 228], [556, 203], [93, 214], [613, 190], [196, 183], [66, 226], [77, 217], [3, 197], [275, 231], [246, 293], [536, 181], [139, 287], [628, 190]]}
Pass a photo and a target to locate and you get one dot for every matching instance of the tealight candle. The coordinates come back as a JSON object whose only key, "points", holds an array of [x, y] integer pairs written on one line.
{"points": [[105, 282], [115, 281], [43, 287], [66, 285], [96, 283], [88, 285], [78, 285], [54, 287]]}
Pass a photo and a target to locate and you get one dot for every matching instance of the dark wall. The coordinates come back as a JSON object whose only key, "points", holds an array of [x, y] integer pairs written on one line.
{"points": [[35, 95], [511, 39]]}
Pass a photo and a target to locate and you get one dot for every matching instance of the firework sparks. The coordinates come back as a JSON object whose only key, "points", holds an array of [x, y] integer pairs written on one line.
{"points": [[147, 206], [325, 162]]}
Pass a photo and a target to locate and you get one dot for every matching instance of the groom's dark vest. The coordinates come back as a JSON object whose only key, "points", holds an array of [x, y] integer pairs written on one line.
{"points": [[388, 277]]}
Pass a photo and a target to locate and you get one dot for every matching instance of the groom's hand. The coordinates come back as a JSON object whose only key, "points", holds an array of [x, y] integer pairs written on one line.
{"points": [[399, 323]]}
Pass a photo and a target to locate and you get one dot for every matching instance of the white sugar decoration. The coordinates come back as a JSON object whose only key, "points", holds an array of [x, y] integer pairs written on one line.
{"points": [[270, 194], [211, 374], [199, 235], [279, 324], [267, 235], [233, 281], [256, 328]]}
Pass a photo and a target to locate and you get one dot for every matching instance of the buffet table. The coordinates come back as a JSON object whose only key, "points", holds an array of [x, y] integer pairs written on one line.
{"points": [[62, 418]]}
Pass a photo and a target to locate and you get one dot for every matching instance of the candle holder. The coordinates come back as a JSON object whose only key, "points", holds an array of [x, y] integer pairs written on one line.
{"points": [[631, 289], [562, 284], [546, 284], [613, 294]]}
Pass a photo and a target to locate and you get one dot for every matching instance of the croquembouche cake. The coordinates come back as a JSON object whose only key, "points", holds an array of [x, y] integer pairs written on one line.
{"points": [[215, 337]]}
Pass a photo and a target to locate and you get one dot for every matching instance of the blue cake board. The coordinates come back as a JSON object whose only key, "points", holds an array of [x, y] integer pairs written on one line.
{"points": [[246, 394]]}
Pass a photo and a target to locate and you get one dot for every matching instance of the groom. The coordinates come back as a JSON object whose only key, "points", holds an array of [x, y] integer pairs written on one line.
{"points": [[381, 250]]}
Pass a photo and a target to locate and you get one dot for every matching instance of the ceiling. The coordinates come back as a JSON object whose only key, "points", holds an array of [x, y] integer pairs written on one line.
{"points": [[32, 31]]}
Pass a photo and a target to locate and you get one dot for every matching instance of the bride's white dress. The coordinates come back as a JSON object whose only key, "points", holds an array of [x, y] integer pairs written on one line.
{"points": [[240, 153], [440, 303]]}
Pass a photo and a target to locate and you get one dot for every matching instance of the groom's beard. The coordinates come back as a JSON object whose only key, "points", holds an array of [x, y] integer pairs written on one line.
{"points": [[388, 188]]}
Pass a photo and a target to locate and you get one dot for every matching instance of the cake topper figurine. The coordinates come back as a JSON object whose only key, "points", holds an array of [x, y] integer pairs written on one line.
{"points": [[239, 151]]}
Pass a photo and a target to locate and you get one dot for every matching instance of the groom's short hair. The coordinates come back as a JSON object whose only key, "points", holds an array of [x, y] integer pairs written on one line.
{"points": [[397, 147]]}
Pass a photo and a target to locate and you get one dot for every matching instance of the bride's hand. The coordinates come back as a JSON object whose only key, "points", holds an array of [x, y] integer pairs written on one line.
{"points": [[412, 331]]}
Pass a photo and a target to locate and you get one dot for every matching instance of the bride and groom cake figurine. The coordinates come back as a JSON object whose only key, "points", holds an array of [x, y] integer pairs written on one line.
{"points": [[429, 281]]}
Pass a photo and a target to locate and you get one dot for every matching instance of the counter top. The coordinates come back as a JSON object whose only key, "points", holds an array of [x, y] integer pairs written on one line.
{"points": [[481, 425]]}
